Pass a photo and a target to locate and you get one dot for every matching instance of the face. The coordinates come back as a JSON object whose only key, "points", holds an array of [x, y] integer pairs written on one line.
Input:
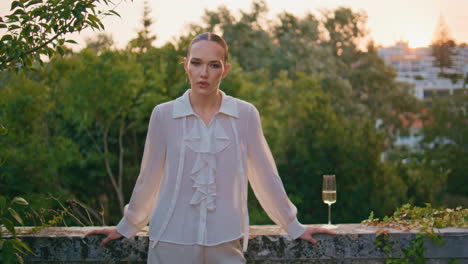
{"points": [[205, 67]]}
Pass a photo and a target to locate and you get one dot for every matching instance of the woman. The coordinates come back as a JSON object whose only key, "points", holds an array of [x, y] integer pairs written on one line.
{"points": [[201, 150]]}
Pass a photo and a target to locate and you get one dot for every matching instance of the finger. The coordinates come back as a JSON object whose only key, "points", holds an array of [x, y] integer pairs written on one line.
{"points": [[96, 231], [90, 232], [323, 231], [327, 231], [105, 241], [313, 241]]}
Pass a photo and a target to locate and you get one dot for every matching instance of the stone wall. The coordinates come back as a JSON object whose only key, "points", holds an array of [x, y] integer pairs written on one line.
{"points": [[354, 243]]}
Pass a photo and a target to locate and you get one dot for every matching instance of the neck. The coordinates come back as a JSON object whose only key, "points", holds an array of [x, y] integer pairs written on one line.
{"points": [[205, 103]]}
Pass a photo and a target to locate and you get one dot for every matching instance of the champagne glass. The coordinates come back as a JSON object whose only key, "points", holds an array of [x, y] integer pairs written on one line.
{"points": [[329, 196]]}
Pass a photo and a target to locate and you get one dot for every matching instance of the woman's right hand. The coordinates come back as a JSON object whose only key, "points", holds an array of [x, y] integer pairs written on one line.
{"points": [[110, 232]]}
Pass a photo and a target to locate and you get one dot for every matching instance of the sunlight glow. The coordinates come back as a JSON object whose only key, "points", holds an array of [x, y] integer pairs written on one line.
{"points": [[388, 21], [416, 41]]}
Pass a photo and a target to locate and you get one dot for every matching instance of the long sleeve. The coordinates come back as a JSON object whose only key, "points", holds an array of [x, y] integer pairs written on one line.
{"points": [[137, 212], [265, 181]]}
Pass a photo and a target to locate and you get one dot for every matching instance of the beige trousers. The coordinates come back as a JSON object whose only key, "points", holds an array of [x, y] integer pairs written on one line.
{"points": [[170, 253]]}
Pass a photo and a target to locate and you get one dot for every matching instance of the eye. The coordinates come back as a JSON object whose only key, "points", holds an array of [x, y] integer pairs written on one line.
{"points": [[216, 65], [196, 63]]}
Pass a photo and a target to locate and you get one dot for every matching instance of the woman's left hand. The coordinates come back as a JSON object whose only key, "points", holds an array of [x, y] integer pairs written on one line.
{"points": [[310, 231]]}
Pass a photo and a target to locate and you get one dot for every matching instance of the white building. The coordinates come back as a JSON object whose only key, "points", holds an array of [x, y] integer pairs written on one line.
{"points": [[415, 66]]}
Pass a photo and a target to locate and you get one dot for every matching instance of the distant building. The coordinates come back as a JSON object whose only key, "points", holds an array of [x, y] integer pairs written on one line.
{"points": [[415, 66]]}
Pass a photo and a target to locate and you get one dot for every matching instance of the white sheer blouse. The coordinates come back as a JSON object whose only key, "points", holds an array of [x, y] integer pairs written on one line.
{"points": [[192, 186]]}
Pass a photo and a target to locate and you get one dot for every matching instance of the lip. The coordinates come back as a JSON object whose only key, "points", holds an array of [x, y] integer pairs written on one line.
{"points": [[203, 84]]}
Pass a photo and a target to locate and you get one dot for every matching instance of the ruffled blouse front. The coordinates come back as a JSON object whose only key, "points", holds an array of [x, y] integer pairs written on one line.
{"points": [[205, 142]]}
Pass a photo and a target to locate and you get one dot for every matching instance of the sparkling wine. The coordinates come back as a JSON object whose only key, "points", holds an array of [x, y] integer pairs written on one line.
{"points": [[329, 197]]}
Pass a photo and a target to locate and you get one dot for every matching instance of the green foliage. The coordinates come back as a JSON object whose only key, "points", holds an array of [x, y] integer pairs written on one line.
{"points": [[344, 28], [413, 254], [425, 219], [425, 179], [10, 247], [36, 28], [442, 51], [445, 141]]}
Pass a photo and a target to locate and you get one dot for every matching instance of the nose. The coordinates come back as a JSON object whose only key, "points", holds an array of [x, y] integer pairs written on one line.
{"points": [[204, 72]]}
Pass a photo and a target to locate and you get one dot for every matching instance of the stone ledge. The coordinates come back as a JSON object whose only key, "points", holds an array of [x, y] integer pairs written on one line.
{"points": [[354, 243]]}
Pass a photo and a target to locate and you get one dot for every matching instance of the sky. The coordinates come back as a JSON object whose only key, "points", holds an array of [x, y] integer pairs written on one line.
{"points": [[388, 21]]}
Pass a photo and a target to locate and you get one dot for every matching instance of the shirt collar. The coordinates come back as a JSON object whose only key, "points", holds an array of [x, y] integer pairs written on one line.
{"points": [[182, 106]]}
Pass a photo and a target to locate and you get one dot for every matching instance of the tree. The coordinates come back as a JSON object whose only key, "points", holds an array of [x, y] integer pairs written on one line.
{"points": [[102, 105], [248, 40], [297, 46], [382, 98], [442, 46], [144, 41], [35, 149], [101, 42], [445, 141], [37, 28], [344, 28], [308, 138]]}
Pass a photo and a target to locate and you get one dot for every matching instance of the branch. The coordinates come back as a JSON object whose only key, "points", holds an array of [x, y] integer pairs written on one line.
{"points": [[121, 151], [87, 209], [117, 188], [94, 140], [58, 34], [66, 210], [106, 160], [42, 45]]}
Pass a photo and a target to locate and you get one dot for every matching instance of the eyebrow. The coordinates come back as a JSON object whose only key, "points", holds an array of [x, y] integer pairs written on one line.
{"points": [[212, 61]]}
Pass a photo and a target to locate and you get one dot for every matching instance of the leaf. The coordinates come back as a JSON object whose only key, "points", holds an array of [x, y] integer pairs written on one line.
{"points": [[19, 258], [7, 37], [102, 25], [21, 247], [9, 226], [7, 252], [60, 50], [19, 12], [18, 248], [19, 200], [115, 13], [34, 2], [71, 41], [93, 18], [93, 24], [15, 215], [13, 27], [3, 26], [24, 246], [2, 203], [12, 18], [77, 14], [14, 5]]}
